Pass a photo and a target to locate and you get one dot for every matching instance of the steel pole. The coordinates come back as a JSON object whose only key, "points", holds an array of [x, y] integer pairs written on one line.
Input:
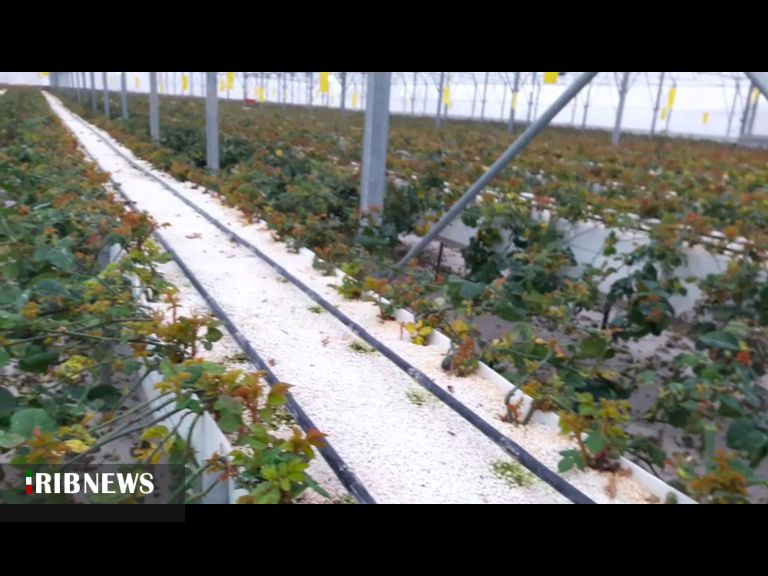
{"points": [[154, 108], [759, 79], [439, 99], [733, 108], [373, 184], [212, 122], [517, 146], [106, 93], [658, 104], [485, 94], [620, 111]]}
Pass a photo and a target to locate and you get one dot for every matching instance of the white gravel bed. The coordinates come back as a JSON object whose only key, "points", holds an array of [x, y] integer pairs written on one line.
{"points": [[404, 445], [227, 353]]}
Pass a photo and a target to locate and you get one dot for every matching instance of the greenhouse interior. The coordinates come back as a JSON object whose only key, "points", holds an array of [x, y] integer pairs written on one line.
{"points": [[457, 287]]}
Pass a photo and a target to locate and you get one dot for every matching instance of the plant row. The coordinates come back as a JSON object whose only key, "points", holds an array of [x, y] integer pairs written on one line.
{"points": [[69, 325]]}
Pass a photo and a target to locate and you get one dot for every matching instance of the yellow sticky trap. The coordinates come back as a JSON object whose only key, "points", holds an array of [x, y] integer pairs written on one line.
{"points": [[45, 74], [221, 85], [137, 82], [325, 82], [161, 88], [664, 113], [39, 75], [285, 94], [230, 80], [705, 118], [184, 82], [446, 95], [354, 99], [754, 96], [671, 98], [514, 100], [261, 94], [450, 105], [550, 77]]}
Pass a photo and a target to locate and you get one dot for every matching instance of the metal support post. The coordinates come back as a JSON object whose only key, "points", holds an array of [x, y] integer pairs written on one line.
{"points": [[517, 146], [620, 111], [93, 92], [106, 93], [586, 108], [212, 122], [759, 79], [413, 95], [154, 108], [658, 104], [439, 99], [373, 183], [485, 94], [751, 125], [343, 93], [124, 95], [736, 93]]}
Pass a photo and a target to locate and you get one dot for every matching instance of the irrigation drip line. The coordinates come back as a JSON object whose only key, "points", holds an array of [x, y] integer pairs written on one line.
{"points": [[507, 444], [336, 463]]}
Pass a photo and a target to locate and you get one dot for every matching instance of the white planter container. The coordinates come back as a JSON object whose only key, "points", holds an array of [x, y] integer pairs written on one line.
{"points": [[206, 437]]}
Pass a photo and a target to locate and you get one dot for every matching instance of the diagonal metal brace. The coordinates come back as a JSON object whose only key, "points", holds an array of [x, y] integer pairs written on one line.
{"points": [[760, 80], [517, 146]]}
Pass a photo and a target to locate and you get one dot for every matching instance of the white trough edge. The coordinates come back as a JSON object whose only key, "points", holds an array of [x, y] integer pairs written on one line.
{"points": [[206, 437], [654, 485]]}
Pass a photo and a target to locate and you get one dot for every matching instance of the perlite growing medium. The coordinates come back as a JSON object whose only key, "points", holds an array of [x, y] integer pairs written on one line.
{"points": [[404, 444]]}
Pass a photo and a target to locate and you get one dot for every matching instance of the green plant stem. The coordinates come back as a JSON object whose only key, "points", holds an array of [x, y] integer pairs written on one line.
{"points": [[164, 441], [133, 411], [118, 434], [184, 487]]}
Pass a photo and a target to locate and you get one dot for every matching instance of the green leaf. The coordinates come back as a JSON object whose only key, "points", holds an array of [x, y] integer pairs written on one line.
{"points": [[38, 362], [229, 405], [5, 358], [110, 395], [213, 335], [744, 435], [26, 421], [593, 346], [471, 290], [719, 340], [51, 288], [276, 400], [229, 423], [8, 440], [730, 407], [10, 271], [565, 464], [8, 403], [314, 485], [595, 442]]}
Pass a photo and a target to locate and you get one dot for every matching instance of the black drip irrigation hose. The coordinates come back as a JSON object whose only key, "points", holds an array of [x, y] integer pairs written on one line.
{"points": [[336, 463], [505, 443]]}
